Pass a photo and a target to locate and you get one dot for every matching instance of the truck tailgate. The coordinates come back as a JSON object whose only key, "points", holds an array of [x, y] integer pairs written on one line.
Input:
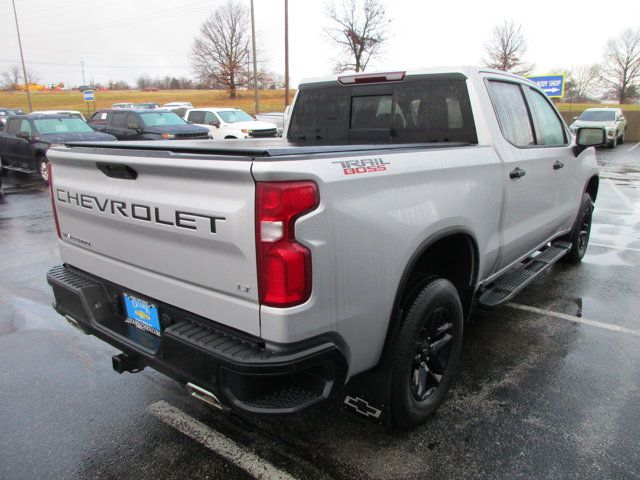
{"points": [[182, 231]]}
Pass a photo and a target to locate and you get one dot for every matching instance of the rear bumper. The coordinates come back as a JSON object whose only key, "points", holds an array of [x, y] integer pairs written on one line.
{"points": [[240, 370]]}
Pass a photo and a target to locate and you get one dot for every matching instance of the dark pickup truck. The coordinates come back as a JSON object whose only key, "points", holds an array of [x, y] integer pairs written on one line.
{"points": [[26, 139], [152, 124]]}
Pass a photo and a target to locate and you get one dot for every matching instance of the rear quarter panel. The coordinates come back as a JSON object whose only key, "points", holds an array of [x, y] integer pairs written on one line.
{"points": [[367, 228]]}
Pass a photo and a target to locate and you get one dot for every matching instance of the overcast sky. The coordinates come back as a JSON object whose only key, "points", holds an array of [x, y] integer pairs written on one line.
{"points": [[122, 39]]}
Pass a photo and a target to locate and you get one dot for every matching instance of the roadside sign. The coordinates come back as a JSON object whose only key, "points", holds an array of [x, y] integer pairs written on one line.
{"points": [[551, 85], [89, 96]]}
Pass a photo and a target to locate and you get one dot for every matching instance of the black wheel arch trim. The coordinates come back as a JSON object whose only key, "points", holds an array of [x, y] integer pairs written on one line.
{"points": [[396, 314]]}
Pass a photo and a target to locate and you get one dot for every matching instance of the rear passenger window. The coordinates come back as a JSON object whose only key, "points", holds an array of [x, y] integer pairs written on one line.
{"points": [[119, 120], [13, 127], [549, 128], [196, 117], [511, 111]]}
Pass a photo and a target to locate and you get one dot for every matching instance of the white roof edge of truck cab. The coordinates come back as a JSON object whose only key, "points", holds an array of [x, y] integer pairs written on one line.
{"points": [[468, 71]]}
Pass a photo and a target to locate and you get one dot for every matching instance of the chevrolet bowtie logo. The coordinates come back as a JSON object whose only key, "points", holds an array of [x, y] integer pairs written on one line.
{"points": [[362, 406]]}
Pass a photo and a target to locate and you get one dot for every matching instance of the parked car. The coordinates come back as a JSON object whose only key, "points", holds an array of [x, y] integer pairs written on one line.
{"points": [[268, 276], [277, 118], [123, 105], [26, 139], [73, 113], [147, 106], [610, 119], [228, 123], [135, 124]]}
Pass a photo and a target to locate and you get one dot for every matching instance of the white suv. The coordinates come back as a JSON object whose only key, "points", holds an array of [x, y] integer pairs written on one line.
{"points": [[225, 123]]}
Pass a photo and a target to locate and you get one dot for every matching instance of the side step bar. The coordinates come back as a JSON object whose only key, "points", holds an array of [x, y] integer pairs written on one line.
{"points": [[507, 286]]}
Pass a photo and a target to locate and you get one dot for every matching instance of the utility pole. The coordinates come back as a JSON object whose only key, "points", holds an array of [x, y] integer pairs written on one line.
{"points": [[286, 53], [255, 63], [84, 82], [24, 69]]}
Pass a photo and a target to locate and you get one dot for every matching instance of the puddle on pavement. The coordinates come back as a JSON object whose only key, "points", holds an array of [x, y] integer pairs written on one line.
{"points": [[606, 256], [587, 307]]}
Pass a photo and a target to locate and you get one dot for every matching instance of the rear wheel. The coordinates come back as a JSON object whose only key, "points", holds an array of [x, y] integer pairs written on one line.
{"points": [[613, 143], [43, 169], [426, 353], [581, 232], [621, 139]]}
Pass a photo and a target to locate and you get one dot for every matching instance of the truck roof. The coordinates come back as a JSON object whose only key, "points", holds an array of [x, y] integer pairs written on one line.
{"points": [[467, 71]]}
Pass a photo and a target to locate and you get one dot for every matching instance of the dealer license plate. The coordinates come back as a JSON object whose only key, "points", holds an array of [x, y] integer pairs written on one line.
{"points": [[142, 314]]}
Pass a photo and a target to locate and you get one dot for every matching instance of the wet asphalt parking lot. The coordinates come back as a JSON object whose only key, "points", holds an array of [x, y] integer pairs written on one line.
{"points": [[549, 385]]}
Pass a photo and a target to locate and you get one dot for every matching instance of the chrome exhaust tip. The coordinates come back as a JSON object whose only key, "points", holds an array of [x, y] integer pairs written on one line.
{"points": [[204, 396]]}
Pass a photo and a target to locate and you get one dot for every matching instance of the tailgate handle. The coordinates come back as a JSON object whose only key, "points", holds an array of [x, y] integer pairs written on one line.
{"points": [[115, 170]]}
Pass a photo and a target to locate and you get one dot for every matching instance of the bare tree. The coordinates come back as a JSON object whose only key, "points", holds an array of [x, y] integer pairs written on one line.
{"points": [[359, 29], [12, 78], [506, 49], [620, 71], [220, 52], [580, 83]]}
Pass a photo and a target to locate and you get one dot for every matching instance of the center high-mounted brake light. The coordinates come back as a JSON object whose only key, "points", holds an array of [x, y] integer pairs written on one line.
{"points": [[371, 78], [53, 199], [284, 265]]}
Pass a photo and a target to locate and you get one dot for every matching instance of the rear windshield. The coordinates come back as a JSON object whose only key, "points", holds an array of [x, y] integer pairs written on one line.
{"points": [[161, 118], [598, 116], [61, 125], [413, 111]]}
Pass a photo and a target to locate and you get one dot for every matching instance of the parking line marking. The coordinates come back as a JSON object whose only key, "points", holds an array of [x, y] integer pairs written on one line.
{"points": [[615, 247], [598, 209], [633, 147], [624, 198], [217, 442], [573, 318]]}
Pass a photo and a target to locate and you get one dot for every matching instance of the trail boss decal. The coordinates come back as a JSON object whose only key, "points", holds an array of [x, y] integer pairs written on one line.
{"points": [[366, 165]]}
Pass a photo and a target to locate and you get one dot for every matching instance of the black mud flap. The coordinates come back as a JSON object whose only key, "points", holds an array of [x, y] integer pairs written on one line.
{"points": [[367, 396]]}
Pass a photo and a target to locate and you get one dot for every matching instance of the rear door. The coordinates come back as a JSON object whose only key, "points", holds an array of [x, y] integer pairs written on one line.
{"points": [[527, 172], [10, 143], [117, 125], [181, 232]]}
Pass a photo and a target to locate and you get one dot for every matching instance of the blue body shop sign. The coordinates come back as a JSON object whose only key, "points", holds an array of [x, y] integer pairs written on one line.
{"points": [[551, 85], [89, 96]]}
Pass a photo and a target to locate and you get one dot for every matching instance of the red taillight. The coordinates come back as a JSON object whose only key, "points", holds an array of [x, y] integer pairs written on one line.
{"points": [[284, 265], [53, 199]]}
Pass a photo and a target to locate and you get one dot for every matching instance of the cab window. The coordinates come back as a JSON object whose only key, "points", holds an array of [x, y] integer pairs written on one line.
{"points": [[548, 126], [511, 111]]}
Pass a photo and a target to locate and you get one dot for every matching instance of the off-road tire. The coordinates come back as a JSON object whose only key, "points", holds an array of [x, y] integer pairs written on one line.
{"points": [[438, 299], [581, 232]]}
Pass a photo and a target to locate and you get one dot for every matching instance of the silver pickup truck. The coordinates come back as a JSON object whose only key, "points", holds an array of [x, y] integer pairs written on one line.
{"points": [[342, 261]]}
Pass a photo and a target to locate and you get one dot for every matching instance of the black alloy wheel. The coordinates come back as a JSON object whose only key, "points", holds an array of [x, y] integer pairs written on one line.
{"points": [[433, 351]]}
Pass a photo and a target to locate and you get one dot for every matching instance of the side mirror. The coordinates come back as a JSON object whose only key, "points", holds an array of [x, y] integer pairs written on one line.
{"points": [[589, 137], [575, 118], [25, 135], [215, 123]]}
